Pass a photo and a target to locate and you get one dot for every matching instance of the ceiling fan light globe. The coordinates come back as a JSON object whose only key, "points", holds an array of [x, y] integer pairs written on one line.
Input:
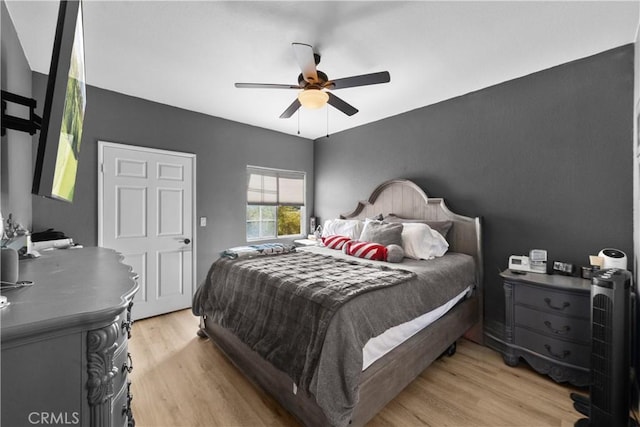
{"points": [[313, 98]]}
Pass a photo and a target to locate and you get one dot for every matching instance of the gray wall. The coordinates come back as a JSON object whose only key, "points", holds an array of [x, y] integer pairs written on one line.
{"points": [[223, 150], [545, 160], [16, 147]]}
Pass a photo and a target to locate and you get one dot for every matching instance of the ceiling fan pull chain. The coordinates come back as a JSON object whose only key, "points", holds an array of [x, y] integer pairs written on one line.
{"points": [[298, 122], [327, 107]]}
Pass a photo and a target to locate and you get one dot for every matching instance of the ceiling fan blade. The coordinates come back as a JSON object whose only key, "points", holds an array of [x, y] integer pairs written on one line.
{"points": [[362, 80], [306, 61], [291, 109], [341, 105], [266, 86]]}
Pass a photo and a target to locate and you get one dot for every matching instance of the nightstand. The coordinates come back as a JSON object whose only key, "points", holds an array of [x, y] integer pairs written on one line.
{"points": [[547, 323]]}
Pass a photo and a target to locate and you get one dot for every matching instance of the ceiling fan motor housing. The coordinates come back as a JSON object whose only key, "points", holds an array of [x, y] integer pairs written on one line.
{"points": [[322, 80]]}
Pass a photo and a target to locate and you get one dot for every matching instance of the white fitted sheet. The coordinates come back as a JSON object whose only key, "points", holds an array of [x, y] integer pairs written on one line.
{"points": [[380, 345]]}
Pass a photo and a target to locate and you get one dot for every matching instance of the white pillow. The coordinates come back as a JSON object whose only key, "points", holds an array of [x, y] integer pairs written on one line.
{"points": [[342, 227], [419, 241]]}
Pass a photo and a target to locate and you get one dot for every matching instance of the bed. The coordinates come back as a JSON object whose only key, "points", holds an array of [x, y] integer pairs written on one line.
{"points": [[336, 383]]}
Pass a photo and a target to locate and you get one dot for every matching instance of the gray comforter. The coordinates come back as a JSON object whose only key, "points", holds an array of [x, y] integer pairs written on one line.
{"points": [[310, 314]]}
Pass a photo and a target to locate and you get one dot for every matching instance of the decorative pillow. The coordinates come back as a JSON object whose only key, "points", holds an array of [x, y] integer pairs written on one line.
{"points": [[342, 227], [367, 250], [335, 242], [395, 253], [382, 233], [441, 227], [421, 242]]}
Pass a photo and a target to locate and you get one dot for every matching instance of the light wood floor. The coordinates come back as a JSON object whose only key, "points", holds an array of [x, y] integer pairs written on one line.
{"points": [[182, 380]]}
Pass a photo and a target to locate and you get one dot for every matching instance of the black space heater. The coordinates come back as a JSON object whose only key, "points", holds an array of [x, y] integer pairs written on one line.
{"points": [[609, 391]]}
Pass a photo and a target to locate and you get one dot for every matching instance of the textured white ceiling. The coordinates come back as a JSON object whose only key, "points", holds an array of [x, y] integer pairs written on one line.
{"points": [[190, 54]]}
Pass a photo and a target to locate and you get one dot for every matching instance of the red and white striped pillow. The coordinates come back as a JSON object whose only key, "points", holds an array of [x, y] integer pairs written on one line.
{"points": [[335, 242], [367, 250]]}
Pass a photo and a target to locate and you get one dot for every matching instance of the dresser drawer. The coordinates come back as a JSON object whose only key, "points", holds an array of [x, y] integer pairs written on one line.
{"points": [[556, 349], [552, 301], [122, 361], [554, 325], [119, 408]]}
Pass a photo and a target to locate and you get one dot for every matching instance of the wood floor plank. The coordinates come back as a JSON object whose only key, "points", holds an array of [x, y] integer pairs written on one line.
{"points": [[182, 380]]}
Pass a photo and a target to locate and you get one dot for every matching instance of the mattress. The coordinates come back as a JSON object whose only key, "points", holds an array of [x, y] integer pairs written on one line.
{"points": [[380, 345]]}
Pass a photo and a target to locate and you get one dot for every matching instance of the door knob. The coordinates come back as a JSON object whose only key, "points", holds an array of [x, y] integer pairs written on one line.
{"points": [[186, 241]]}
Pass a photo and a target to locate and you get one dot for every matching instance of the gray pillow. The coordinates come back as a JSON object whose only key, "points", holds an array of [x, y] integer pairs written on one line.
{"points": [[382, 233], [441, 227]]}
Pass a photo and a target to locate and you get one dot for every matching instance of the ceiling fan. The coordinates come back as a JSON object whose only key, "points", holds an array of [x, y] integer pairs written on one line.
{"points": [[315, 85]]}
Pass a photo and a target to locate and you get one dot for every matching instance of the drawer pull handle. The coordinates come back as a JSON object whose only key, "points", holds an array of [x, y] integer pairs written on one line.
{"points": [[126, 326], [126, 411], [126, 408], [565, 329], [564, 354], [564, 304], [128, 365]]}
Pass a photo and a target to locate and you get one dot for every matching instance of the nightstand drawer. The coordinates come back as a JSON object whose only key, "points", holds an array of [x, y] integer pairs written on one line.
{"points": [[556, 349], [551, 301], [569, 328]]}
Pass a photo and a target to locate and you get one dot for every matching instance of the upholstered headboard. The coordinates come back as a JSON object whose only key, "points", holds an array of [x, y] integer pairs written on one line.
{"points": [[406, 199]]}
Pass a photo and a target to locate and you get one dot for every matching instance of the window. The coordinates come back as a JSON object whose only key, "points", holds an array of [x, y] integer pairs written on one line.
{"points": [[275, 203]]}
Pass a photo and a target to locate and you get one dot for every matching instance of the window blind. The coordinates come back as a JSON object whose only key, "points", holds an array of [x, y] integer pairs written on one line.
{"points": [[274, 187]]}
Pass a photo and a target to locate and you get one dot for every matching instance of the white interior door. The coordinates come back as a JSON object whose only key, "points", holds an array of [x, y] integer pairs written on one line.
{"points": [[146, 205]]}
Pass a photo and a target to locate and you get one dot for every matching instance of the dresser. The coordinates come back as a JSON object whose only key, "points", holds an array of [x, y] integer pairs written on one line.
{"points": [[547, 323], [64, 341]]}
